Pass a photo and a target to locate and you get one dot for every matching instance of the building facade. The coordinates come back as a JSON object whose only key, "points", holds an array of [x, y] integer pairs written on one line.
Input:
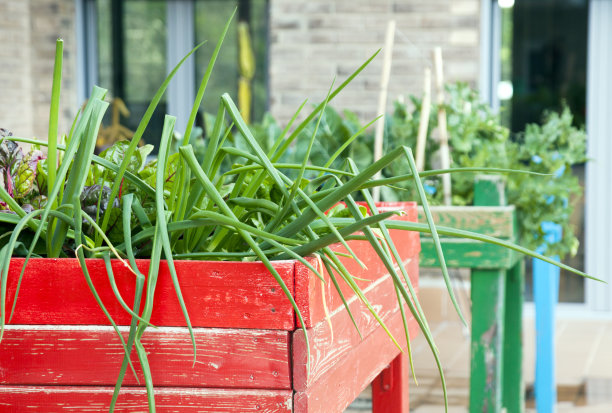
{"points": [[300, 47], [28, 34]]}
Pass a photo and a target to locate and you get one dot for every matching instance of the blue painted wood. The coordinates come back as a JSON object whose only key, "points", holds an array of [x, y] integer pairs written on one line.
{"points": [[546, 295]]}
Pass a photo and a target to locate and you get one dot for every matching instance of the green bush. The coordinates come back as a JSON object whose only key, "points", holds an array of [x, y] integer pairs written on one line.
{"points": [[477, 140]]}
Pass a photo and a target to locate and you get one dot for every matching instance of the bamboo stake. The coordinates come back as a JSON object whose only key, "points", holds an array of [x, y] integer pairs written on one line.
{"points": [[444, 150], [424, 121], [382, 100]]}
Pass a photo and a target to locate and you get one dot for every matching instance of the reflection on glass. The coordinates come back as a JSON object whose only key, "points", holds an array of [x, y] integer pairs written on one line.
{"points": [[132, 60], [210, 17], [549, 41], [543, 59]]}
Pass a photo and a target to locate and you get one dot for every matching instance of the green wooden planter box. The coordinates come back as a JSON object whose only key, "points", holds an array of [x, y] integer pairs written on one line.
{"points": [[496, 221], [497, 283]]}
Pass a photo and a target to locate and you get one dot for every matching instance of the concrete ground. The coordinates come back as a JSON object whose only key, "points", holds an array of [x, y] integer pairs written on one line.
{"points": [[584, 368]]}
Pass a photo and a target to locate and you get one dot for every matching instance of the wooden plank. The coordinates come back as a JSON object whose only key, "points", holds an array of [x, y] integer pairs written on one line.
{"points": [[514, 389], [488, 292], [390, 393], [459, 253], [342, 384], [489, 190], [217, 294], [488, 296], [423, 120], [75, 355], [328, 345], [382, 101], [496, 221], [50, 399], [308, 288], [545, 296], [444, 151]]}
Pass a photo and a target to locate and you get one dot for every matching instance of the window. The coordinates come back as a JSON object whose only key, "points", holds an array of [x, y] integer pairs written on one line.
{"points": [[133, 44], [539, 63], [544, 55]]}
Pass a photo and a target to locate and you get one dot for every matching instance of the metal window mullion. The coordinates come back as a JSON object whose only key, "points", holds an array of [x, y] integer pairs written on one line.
{"points": [[87, 47], [496, 44], [485, 81], [180, 39], [598, 259]]}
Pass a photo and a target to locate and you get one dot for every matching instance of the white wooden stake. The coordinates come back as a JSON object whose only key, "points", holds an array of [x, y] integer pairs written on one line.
{"points": [[424, 121], [382, 100], [444, 150]]}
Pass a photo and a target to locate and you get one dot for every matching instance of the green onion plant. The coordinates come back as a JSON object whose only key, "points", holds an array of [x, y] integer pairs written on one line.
{"points": [[180, 206]]}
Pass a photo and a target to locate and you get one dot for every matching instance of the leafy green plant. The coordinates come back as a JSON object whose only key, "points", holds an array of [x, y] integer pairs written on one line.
{"points": [[477, 140], [21, 177], [182, 207]]}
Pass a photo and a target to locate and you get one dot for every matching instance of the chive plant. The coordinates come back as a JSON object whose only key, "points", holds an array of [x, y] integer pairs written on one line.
{"points": [[115, 205]]}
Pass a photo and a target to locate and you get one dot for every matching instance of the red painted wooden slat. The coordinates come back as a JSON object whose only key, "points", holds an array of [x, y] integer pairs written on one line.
{"points": [[333, 392], [390, 387], [217, 294], [69, 355], [53, 399], [330, 345], [308, 290]]}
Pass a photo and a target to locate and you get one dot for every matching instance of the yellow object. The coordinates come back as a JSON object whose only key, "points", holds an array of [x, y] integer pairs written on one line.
{"points": [[244, 98], [246, 58], [115, 131], [246, 67]]}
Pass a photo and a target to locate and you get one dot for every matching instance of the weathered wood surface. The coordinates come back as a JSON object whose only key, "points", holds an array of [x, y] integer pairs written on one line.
{"points": [[308, 288], [333, 392], [69, 355], [329, 345], [217, 294], [460, 253], [51, 399], [487, 338], [497, 299], [496, 221], [514, 394], [239, 296]]}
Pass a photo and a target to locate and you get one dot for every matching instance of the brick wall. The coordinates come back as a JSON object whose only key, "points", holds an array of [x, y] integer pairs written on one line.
{"points": [[311, 41], [15, 77], [28, 34]]}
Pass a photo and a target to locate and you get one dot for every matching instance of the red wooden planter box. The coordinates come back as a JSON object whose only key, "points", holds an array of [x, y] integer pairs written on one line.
{"points": [[60, 354]]}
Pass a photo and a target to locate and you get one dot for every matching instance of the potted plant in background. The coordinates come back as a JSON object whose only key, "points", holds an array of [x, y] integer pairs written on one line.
{"points": [[113, 209]]}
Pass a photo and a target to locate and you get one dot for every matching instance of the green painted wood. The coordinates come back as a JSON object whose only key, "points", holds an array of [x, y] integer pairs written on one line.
{"points": [[468, 254], [496, 221], [488, 316], [513, 392], [486, 376], [497, 283], [489, 191]]}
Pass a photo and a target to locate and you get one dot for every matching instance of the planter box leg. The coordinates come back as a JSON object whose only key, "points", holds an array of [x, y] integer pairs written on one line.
{"points": [[390, 387], [486, 378], [514, 395], [545, 297]]}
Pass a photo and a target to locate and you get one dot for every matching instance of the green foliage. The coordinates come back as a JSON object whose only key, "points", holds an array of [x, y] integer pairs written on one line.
{"points": [[477, 140], [234, 202], [554, 147], [19, 173]]}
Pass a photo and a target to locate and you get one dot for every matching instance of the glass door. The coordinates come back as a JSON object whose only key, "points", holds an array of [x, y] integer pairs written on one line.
{"points": [[131, 46], [542, 67]]}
